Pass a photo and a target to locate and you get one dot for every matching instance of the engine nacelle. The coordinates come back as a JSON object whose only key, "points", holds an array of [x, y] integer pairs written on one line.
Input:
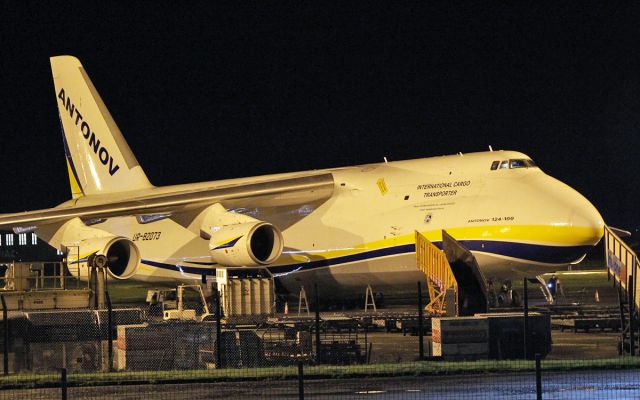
{"points": [[248, 244], [122, 253]]}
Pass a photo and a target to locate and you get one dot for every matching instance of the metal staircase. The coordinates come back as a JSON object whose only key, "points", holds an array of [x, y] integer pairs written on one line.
{"points": [[456, 284], [440, 279], [623, 267]]}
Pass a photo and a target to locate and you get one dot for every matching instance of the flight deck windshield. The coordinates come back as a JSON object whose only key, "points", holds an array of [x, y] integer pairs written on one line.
{"points": [[521, 163]]}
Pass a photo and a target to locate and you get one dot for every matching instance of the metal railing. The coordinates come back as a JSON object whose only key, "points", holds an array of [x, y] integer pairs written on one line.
{"points": [[433, 263], [36, 276]]}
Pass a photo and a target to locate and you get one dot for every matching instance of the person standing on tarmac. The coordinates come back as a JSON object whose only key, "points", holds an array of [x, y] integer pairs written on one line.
{"points": [[553, 284]]}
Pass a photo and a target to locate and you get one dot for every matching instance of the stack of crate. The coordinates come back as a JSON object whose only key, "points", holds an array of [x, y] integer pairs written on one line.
{"points": [[185, 345], [460, 338], [140, 347], [506, 335]]}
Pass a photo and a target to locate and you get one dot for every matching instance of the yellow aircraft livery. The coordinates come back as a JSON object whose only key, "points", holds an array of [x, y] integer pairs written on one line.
{"points": [[342, 228]]}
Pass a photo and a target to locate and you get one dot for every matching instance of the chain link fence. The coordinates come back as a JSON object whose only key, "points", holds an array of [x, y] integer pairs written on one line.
{"points": [[133, 352]]}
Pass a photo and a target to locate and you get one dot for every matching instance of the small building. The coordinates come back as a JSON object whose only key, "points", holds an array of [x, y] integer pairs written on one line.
{"points": [[26, 247]]}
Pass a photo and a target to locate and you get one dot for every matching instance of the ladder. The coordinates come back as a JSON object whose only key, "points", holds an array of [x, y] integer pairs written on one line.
{"points": [[623, 267]]}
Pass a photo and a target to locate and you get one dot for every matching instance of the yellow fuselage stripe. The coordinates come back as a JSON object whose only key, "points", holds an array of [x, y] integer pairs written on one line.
{"points": [[533, 234]]}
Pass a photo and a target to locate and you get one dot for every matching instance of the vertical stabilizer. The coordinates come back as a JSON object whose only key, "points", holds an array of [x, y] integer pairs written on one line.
{"points": [[99, 160]]}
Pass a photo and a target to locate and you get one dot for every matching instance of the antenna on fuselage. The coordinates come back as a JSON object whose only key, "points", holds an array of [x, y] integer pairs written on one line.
{"points": [[385, 160], [490, 148]]}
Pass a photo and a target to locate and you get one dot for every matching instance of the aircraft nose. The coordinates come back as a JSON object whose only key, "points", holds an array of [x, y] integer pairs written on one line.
{"points": [[586, 220]]}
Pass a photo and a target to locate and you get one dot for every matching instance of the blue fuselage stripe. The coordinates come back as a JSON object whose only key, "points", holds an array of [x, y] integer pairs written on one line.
{"points": [[523, 251], [527, 251], [180, 268]]}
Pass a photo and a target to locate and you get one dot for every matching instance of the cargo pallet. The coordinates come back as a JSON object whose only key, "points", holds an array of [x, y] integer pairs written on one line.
{"points": [[588, 324]]}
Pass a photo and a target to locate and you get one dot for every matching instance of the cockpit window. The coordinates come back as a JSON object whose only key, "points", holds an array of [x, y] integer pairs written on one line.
{"points": [[504, 164], [521, 163], [494, 165]]}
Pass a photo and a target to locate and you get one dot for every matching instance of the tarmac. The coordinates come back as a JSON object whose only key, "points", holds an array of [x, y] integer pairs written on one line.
{"points": [[557, 385]]}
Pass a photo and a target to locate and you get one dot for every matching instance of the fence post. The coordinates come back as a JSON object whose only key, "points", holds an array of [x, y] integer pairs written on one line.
{"points": [[300, 380], [63, 383], [631, 302], [526, 319], [317, 323], [5, 316], [110, 331], [366, 343], [218, 329], [623, 324], [420, 322], [538, 378]]}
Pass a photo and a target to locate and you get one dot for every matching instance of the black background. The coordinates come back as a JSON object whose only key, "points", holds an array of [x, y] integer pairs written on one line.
{"points": [[205, 91]]}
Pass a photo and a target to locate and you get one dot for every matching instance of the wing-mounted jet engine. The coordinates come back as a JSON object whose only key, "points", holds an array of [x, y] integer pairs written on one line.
{"points": [[81, 241], [237, 240], [122, 254]]}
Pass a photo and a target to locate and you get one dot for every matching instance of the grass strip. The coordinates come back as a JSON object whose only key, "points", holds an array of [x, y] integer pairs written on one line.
{"points": [[418, 368]]}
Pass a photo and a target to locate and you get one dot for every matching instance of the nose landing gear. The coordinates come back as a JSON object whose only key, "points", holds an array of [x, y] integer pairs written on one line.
{"points": [[546, 290]]}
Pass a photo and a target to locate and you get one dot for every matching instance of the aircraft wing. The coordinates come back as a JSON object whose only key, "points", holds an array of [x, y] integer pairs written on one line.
{"points": [[281, 192]]}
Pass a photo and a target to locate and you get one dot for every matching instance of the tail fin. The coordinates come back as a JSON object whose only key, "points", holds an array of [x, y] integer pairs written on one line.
{"points": [[99, 160]]}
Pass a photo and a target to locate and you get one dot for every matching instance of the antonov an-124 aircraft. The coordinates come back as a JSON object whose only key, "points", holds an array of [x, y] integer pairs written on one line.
{"points": [[342, 228]]}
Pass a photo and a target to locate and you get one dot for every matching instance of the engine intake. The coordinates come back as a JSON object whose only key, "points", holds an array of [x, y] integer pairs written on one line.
{"points": [[248, 244], [122, 253]]}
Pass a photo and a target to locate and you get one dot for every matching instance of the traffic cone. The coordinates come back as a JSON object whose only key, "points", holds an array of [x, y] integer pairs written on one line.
{"points": [[597, 297], [286, 307]]}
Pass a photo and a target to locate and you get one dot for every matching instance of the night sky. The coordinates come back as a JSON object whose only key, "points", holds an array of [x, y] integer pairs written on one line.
{"points": [[205, 92]]}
